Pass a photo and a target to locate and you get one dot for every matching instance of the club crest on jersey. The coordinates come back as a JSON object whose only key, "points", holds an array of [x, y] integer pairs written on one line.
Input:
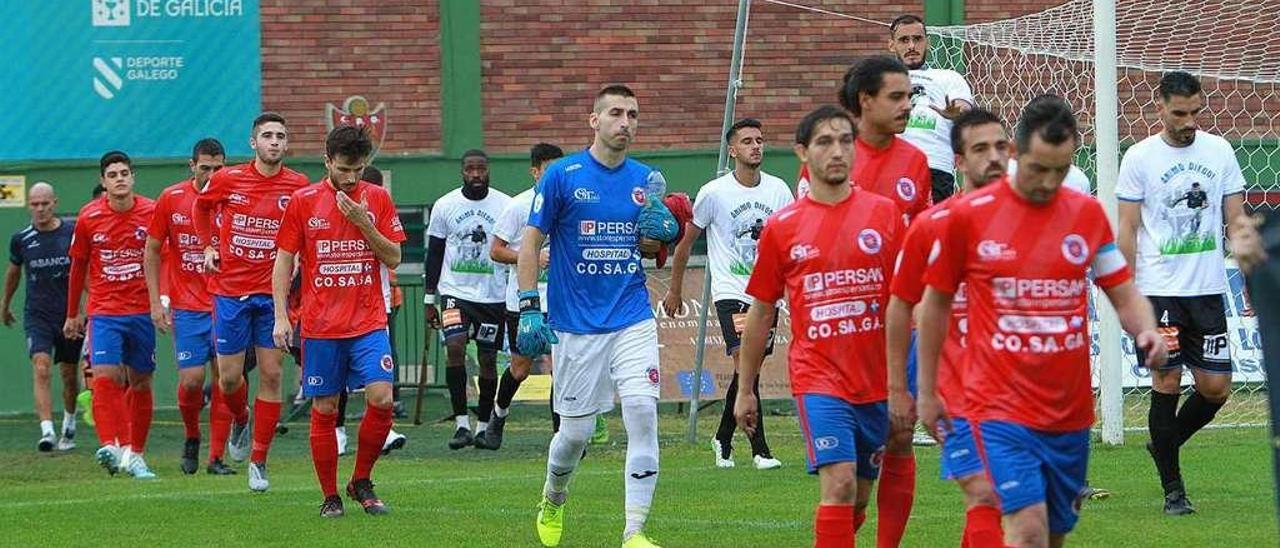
{"points": [[140, 233], [637, 196], [283, 202], [386, 363], [654, 376], [1075, 249], [906, 189], [537, 202], [869, 241]]}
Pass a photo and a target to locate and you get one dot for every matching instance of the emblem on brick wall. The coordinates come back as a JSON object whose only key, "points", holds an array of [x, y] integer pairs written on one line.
{"points": [[356, 111]]}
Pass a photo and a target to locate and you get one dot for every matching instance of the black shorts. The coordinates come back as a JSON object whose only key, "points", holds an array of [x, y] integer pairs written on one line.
{"points": [[733, 317], [1195, 330], [43, 337], [513, 328], [483, 323], [944, 184]]}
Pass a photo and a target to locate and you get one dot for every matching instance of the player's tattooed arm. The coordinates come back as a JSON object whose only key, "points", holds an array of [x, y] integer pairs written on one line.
{"points": [[935, 311], [755, 338]]}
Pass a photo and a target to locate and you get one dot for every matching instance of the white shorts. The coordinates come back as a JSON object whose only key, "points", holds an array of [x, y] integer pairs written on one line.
{"points": [[589, 368]]}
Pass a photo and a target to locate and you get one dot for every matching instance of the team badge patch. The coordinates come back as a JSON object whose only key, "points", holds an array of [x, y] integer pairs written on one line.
{"points": [[283, 202], [869, 241], [386, 363], [1075, 250], [654, 376], [906, 189], [140, 233], [637, 196]]}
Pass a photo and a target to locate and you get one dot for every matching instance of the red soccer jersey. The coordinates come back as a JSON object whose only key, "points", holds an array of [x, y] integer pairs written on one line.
{"points": [[899, 172], [835, 263], [113, 243], [908, 285], [1024, 265], [342, 282], [183, 253], [251, 207]]}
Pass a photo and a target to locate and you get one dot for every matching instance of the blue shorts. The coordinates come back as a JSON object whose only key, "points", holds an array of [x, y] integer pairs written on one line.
{"points": [[960, 457], [123, 340], [239, 322], [913, 365], [45, 337], [1029, 467], [838, 431], [192, 337], [330, 366]]}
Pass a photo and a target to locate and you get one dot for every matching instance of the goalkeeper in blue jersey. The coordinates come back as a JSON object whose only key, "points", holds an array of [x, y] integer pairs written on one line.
{"points": [[602, 212]]}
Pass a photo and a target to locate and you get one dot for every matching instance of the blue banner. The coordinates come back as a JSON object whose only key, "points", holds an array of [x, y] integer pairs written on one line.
{"points": [[149, 77]]}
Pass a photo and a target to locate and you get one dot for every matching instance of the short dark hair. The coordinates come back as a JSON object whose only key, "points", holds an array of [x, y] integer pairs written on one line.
{"points": [[904, 19], [745, 122], [804, 133], [867, 76], [1180, 83], [971, 118], [113, 157], [542, 153], [264, 118], [371, 175], [620, 90], [350, 141], [1048, 116], [98, 190], [207, 146], [474, 153]]}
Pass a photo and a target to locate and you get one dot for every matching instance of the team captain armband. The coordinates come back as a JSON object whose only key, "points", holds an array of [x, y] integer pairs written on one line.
{"points": [[1109, 266]]}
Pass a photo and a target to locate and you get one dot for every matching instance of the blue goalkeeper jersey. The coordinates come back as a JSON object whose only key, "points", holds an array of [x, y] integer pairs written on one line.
{"points": [[596, 283]]}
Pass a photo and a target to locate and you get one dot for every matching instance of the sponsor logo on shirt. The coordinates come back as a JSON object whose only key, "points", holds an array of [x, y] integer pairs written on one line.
{"points": [[584, 195], [869, 241], [253, 243], [238, 199], [1031, 325], [906, 189], [1038, 288], [991, 250], [836, 311], [179, 219], [607, 254], [99, 237], [240, 220], [1075, 249], [339, 269], [318, 223], [803, 252]]}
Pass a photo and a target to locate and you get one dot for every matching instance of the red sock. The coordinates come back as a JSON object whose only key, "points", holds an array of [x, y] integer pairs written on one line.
{"points": [[124, 417], [833, 526], [105, 395], [982, 527], [140, 408], [859, 517], [265, 416], [893, 499], [324, 450], [219, 424], [238, 403], [190, 402], [373, 434]]}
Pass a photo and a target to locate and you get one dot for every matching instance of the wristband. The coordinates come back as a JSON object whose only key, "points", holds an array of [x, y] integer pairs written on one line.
{"points": [[428, 298], [529, 300]]}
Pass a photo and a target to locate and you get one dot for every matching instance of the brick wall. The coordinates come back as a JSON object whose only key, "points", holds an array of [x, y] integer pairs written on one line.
{"points": [[318, 52]]}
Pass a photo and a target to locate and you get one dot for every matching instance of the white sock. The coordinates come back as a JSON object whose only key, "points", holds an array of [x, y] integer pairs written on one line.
{"points": [[462, 421], [46, 428], [640, 476], [500, 411], [68, 421], [565, 453], [481, 426]]}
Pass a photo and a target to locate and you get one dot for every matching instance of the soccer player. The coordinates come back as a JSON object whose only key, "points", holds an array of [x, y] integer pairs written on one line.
{"points": [[602, 212], [342, 230], [507, 234], [1026, 376], [938, 97], [172, 245], [470, 289], [982, 150], [1168, 183], [831, 254], [732, 209], [41, 250], [107, 247], [250, 200]]}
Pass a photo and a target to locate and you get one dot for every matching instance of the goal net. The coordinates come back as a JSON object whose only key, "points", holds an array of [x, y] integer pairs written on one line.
{"points": [[1227, 44]]}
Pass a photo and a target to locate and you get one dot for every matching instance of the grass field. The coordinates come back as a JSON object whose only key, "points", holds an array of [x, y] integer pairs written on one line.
{"points": [[481, 498]]}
